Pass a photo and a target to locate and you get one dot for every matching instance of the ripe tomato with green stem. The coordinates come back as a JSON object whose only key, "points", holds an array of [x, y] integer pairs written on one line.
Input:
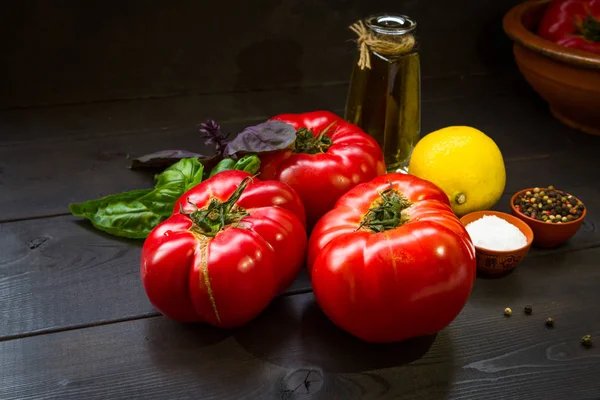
{"points": [[233, 243], [391, 261], [329, 157]]}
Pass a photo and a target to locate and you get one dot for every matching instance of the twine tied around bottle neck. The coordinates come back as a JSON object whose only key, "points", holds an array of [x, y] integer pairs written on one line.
{"points": [[387, 45]]}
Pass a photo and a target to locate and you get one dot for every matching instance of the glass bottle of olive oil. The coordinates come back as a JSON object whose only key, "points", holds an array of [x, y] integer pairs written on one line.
{"points": [[385, 95]]}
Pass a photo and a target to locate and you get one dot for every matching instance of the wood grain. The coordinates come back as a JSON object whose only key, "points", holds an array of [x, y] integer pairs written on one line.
{"points": [[75, 53], [117, 118], [293, 352], [59, 273], [75, 322]]}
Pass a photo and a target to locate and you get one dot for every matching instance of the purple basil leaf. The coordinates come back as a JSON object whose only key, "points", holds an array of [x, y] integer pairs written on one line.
{"points": [[211, 128], [268, 136], [166, 158], [211, 132]]}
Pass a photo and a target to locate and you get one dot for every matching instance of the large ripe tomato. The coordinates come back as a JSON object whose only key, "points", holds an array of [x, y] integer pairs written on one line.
{"points": [[391, 261], [237, 243], [330, 156]]}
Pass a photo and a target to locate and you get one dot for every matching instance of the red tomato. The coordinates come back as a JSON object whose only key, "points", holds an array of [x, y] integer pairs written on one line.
{"points": [[387, 275], [330, 157], [228, 254]]}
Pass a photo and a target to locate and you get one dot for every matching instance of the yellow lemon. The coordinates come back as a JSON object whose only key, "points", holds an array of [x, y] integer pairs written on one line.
{"points": [[465, 163]]}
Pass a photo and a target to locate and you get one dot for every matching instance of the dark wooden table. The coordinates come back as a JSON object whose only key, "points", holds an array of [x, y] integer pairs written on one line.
{"points": [[76, 323]]}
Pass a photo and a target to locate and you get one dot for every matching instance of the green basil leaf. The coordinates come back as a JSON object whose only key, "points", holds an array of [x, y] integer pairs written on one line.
{"points": [[249, 163], [223, 165], [171, 184], [162, 200], [119, 214], [186, 173], [134, 214]]}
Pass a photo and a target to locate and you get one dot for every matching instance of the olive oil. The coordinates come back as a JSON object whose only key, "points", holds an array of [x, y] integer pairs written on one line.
{"points": [[384, 100]]}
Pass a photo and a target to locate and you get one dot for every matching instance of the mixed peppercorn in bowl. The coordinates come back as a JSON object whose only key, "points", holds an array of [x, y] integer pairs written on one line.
{"points": [[553, 215], [549, 205]]}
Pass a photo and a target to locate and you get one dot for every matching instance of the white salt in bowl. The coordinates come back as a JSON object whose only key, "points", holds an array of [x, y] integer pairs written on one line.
{"points": [[505, 245]]}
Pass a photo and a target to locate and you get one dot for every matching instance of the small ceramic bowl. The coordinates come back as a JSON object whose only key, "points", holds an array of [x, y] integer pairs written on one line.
{"points": [[547, 234], [567, 78], [494, 262]]}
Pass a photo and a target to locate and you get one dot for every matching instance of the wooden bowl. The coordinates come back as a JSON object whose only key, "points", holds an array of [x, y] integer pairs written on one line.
{"points": [[545, 234], [494, 262], [568, 79]]}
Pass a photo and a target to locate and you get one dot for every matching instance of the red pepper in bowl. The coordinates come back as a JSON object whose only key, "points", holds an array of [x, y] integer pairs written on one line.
{"points": [[572, 23]]}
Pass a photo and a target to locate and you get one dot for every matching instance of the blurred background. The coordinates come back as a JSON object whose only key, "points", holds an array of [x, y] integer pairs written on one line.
{"points": [[71, 52]]}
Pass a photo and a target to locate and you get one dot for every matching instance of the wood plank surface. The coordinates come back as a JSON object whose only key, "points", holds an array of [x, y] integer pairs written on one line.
{"points": [[119, 118], [88, 87], [75, 53], [59, 273], [293, 352]]}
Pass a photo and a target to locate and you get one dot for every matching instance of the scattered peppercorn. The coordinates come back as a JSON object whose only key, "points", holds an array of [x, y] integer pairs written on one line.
{"points": [[528, 310], [507, 312], [550, 322], [586, 341], [549, 205]]}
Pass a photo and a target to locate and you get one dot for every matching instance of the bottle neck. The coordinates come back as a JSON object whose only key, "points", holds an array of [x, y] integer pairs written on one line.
{"points": [[384, 35]]}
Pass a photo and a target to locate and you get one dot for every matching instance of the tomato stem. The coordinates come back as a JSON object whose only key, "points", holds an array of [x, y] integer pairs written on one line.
{"points": [[217, 215], [387, 212], [307, 142]]}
